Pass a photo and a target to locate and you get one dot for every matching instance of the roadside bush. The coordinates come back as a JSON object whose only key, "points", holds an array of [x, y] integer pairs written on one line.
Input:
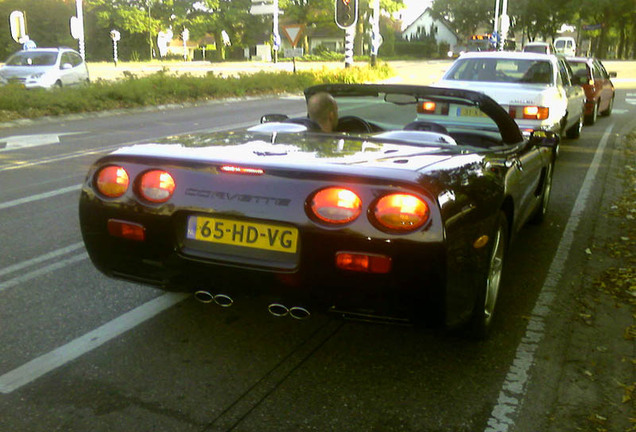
{"points": [[163, 88]]}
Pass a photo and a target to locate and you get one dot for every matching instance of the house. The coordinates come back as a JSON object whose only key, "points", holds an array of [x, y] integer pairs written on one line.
{"points": [[175, 48], [425, 25]]}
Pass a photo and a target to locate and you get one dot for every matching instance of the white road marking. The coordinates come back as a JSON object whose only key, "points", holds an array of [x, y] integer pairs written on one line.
{"points": [[42, 271], [26, 200], [21, 141], [503, 415], [44, 364], [37, 260]]}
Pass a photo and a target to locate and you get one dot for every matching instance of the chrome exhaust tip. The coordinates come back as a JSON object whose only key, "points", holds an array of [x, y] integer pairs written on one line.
{"points": [[299, 313], [204, 296], [223, 300], [278, 310]]}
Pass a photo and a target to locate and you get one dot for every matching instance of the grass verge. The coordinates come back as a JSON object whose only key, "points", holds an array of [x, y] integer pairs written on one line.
{"points": [[163, 88]]}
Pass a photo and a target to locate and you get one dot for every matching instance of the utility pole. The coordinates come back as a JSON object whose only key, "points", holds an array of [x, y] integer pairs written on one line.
{"points": [[276, 34]]}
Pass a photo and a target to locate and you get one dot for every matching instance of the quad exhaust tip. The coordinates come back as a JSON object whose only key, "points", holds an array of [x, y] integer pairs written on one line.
{"points": [[207, 297], [296, 312]]}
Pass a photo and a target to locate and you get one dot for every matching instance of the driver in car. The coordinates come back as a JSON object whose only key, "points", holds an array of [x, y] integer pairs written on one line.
{"points": [[323, 109]]}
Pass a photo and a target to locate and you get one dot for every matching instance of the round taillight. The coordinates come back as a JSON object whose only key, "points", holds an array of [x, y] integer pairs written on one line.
{"points": [[336, 205], [401, 212], [156, 186], [112, 181]]}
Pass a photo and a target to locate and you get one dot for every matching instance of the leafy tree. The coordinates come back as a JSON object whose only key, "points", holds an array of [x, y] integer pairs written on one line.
{"points": [[47, 23], [466, 17]]}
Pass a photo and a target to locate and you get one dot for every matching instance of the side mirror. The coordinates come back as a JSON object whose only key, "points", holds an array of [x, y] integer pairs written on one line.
{"points": [[270, 118], [66, 66], [541, 138]]}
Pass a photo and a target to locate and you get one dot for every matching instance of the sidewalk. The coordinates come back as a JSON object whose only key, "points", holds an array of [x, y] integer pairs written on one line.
{"points": [[590, 356]]}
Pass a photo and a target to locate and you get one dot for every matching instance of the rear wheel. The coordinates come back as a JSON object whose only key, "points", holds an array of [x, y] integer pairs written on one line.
{"points": [[481, 320]]}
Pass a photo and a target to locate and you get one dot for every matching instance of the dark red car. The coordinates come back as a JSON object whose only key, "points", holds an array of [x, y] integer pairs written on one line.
{"points": [[599, 90]]}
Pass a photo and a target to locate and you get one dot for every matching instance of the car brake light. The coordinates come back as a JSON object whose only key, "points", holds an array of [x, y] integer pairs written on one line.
{"points": [[401, 212], [427, 107], [430, 107], [241, 170], [530, 112], [336, 205], [361, 262], [127, 230], [156, 186], [112, 181]]}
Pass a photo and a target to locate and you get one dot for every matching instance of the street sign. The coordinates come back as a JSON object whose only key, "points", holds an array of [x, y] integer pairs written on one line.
{"points": [[263, 9], [77, 30], [293, 52], [293, 33], [18, 26]]}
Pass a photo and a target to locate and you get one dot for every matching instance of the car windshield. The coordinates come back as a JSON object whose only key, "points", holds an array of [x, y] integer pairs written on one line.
{"points": [[32, 58], [502, 70]]}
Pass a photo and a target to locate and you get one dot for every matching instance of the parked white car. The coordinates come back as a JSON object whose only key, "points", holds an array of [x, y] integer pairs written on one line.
{"points": [[45, 68], [536, 89]]}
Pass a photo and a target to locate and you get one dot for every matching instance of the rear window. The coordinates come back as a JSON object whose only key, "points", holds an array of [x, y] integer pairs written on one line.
{"points": [[542, 49], [502, 70], [580, 69]]}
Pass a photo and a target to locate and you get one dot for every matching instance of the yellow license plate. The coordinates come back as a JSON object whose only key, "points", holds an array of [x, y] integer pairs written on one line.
{"points": [[280, 238], [470, 112]]}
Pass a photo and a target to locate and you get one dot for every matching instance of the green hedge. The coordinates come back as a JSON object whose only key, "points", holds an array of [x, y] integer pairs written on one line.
{"points": [[162, 88]]}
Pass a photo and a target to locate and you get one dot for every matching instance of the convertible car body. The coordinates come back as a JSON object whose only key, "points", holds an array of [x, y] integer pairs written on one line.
{"points": [[402, 214]]}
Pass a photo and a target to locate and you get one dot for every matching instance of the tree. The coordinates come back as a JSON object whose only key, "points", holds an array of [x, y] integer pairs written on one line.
{"points": [[466, 17], [47, 23]]}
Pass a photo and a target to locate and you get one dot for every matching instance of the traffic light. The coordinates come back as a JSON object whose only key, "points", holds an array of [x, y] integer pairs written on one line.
{"points": [[346, 13]]}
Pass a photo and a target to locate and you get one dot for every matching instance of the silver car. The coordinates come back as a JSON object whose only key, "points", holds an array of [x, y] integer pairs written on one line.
{"points": [[45, 68]]}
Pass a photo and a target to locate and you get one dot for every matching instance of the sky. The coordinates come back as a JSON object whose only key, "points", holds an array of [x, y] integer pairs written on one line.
{"points": [[414, 8]]}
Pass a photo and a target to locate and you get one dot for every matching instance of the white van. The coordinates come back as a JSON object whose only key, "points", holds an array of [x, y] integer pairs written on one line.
{"points": [[566, 46]]}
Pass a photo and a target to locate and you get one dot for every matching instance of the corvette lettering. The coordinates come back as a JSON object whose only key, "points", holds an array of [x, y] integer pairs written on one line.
{"points": [[226, 196]]}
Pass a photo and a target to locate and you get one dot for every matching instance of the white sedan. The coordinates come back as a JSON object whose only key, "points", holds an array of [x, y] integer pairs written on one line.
{"points": [[536, 89]]}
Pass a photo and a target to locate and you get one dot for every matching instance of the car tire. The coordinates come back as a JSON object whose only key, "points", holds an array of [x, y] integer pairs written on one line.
{"points": [[481, 320], [591, 119], [58, 84], [575, 131], [608, 111], [546, 190]]}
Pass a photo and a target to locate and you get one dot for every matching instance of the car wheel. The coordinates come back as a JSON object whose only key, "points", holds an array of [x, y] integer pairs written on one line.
{"points": [[58, 84], [575, 131], [546, 190], [591, 119], [482, 316], [608, 111]]}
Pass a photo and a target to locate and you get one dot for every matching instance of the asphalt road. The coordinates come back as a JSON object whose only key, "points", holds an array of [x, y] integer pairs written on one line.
{"points": [[82, 352]]}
